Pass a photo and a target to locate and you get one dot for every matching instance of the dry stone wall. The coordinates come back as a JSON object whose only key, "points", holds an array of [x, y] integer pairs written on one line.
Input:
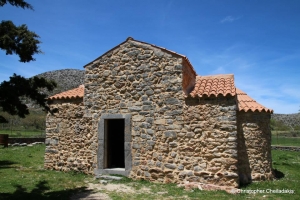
{"points": [[172, 138], [146, 82], [69, 143], [254, 146], [208, 143]]}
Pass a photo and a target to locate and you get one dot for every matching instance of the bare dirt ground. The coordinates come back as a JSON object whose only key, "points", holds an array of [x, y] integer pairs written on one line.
{"points": [[100, 191], [97, 191]]}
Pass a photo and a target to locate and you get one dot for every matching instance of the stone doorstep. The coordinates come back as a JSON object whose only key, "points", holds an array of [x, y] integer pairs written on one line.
{"points": [[109, 177]]}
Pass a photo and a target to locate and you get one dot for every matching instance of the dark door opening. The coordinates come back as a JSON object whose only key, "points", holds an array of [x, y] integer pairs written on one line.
{"points": [[114, 143]]}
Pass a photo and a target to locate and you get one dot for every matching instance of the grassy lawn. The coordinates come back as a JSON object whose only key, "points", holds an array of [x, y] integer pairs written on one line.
{"points": [[23, 177], [23, 133], [286, 141], [286, 138]]}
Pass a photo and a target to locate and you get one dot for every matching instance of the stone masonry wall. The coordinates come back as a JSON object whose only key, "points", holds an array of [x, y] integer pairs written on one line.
{"points": [[173, 139], [146, 82], [69, 143], [254, 146], [208, 145]]}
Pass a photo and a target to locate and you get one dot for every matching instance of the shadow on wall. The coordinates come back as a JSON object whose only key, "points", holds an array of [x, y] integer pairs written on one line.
{"points": [[243, 158], [254, 147]]}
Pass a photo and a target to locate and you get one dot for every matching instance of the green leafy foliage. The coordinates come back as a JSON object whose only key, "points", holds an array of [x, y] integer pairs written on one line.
{"points": [[19, 40], [23, 42], [17, 3], [33, 125], [278, 125], [11, 92]]}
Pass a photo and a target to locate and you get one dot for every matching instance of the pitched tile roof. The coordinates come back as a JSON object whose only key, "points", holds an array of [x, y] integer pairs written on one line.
{"points": [[70, 94], [214, 85], [224, 85], [246, 103]]}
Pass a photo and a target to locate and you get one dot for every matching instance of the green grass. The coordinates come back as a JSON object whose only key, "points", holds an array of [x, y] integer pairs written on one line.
{"points": [[286, 138], [24, 133], [23, 177], [285, 141]]}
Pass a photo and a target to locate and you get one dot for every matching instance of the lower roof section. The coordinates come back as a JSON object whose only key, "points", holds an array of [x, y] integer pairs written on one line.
{"points": [[246, 103], [205, 86]]}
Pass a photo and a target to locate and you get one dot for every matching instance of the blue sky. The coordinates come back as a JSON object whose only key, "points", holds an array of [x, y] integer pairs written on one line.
{"points": [[257, 41]]}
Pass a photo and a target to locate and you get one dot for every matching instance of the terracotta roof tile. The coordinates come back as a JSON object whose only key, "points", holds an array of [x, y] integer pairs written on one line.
{"points": [[214, 85], [246, 103], [205, 85], [70, 94]]}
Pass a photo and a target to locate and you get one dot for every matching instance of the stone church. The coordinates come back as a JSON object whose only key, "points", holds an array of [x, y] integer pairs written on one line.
{"points": [[143, 112]]}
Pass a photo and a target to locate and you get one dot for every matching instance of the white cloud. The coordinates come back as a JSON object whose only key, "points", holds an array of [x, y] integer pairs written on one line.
{"points": [[291, 90], [268, 84], [229, 19], [279, 106]]}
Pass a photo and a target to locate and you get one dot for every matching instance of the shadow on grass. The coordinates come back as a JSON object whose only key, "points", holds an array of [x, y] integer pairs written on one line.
{"points": [[278, 174], [40, 192], [6, 164]]}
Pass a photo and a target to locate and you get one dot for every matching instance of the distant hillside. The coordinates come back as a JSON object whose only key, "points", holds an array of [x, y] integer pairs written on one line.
{"points": [[66, 79], [290, 120]]}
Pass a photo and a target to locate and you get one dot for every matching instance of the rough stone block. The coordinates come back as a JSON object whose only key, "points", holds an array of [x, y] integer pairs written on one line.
{"points": [[138, 118], [171, 134], [160, 121], [170, 166]]}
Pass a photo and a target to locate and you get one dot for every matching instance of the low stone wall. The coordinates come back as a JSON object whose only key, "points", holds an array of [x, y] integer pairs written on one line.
{"points": [[283, 148]]}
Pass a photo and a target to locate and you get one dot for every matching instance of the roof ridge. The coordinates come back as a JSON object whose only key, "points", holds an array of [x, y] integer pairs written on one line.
{"points": [[216, 76], [153, 45]]}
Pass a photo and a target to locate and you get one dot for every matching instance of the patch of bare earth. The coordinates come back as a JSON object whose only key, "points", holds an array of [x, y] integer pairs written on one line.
{"points": [[98, 191], [90, 195]]}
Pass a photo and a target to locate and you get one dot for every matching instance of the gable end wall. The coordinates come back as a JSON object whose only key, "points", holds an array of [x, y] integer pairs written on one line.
{"points": [[145, 82]]}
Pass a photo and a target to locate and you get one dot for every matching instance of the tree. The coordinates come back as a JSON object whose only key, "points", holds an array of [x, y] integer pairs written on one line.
{"points": [[17, 3], [19, 40], [11, 92]]}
